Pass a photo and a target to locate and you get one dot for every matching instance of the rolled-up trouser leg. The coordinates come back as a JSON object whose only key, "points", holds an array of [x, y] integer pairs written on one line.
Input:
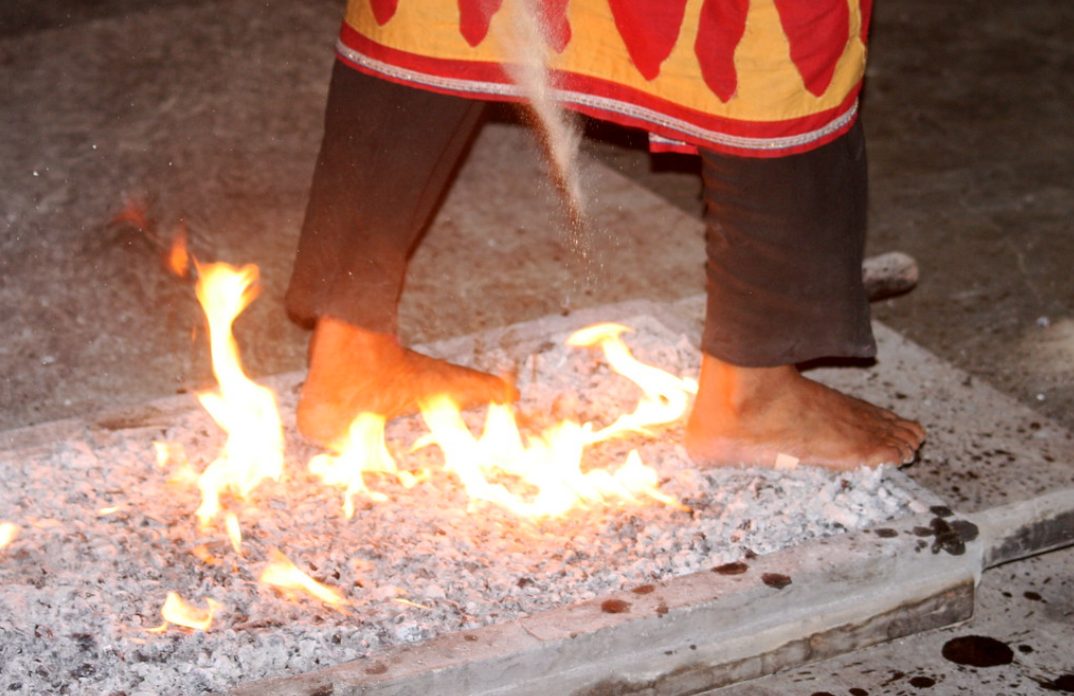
{"points": [[785, 241], [387, 155]]}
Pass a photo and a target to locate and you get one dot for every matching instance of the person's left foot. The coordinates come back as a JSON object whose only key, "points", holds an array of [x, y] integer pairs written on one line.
{"points": [[751, 416], [353, 371]]}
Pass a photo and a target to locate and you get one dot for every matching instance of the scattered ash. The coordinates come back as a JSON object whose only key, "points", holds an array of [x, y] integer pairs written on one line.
{"points": [[79, 588]]}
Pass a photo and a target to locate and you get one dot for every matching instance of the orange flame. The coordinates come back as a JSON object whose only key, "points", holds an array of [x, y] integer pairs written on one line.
{"points": [[234, 532], [178, 612], [178, 257], [8, 532], [665, 397], [549, 463], [281, 573], [363, 451], [172, 454], [244, 409]]}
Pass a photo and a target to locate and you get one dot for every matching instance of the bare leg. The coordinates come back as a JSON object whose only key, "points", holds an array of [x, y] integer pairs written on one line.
{"points": [[387, 157], [750, 415]]}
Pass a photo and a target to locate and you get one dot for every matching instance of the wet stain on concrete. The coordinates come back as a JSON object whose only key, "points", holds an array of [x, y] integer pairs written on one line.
{"points": [[977, 651], [776, 580], [922, 682], [615, 606], [736, 568], [1064, 683], [951, 537], [1033, 596]]}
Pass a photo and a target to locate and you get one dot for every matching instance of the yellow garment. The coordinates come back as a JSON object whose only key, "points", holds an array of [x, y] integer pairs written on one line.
{"points": [[770, 111]]}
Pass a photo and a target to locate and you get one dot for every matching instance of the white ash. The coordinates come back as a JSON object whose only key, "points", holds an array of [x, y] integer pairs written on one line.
{"points": [[78, 589]]}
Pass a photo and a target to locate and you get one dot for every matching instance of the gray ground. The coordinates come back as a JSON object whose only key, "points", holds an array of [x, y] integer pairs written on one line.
{"points": [[212, 110]]}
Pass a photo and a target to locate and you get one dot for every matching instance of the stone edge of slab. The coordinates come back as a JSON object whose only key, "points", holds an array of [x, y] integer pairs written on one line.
{"points": [[692, 632]]}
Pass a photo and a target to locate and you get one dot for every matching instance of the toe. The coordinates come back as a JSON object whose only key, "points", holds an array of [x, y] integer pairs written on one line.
{"points": [[888, 454], [906, 435], [908, 453], [916, 428]]}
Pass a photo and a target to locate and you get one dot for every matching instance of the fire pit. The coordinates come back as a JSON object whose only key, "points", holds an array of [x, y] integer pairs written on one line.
{"points": [[104, 535]]}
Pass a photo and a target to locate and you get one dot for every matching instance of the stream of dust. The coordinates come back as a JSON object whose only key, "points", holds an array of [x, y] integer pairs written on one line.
{"points": [[528, 48]]}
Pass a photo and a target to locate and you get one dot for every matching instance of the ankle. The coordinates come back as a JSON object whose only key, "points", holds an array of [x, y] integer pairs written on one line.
{"points": [[734, 389], [334, 337]]}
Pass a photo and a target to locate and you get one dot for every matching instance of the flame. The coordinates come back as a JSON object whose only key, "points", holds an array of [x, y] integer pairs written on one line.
{"points": [[8, 532], [550, 464], [665, 397], [203, 554], [234, 532], [537, 476], [364, 450], [407, 603], [172, 455], [284, 575], [244, 409], [178, 256], [167, 453], [178, 612]]}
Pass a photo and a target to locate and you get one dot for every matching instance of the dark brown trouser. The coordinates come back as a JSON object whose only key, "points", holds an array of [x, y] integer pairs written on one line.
{"points": [[785, 235]]}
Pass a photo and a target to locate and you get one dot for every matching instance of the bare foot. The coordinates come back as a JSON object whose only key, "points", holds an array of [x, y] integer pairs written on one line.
{"points": [[353, 370], [752, 415]]}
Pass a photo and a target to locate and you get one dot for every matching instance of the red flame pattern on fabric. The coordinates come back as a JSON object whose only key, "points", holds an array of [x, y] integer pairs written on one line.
{"points": [[557, 28], [818, 31], [866, 16], [475, 17], [383, 10], [721, 26], [649, 29]]}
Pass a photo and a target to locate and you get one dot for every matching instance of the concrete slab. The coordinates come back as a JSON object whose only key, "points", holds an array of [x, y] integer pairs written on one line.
{"points": [[691, 633], [702, 631]]}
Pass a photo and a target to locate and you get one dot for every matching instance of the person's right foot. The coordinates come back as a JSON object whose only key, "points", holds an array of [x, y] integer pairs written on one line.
{"points": [[353, 371]]}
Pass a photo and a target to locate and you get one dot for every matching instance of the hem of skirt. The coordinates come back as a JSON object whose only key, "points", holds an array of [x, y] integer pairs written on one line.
{"points": [[671, 123]]}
